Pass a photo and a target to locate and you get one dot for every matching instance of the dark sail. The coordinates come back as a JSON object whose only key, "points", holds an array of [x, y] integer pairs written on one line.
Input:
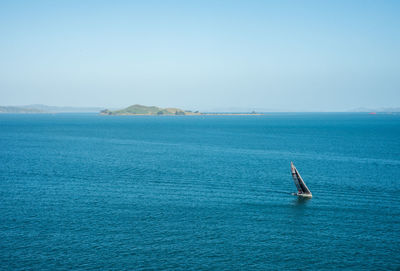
{"points": [[298, 181]]}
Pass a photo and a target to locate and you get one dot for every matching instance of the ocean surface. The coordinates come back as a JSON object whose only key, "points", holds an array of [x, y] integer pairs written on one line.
{"points": [[90, 192]]}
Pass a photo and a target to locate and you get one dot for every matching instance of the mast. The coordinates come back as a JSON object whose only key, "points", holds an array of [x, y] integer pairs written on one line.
{"points": [[295, 178]]}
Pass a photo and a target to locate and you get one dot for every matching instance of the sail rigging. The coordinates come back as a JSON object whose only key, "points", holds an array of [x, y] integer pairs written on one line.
{"points": [[302, 189]]}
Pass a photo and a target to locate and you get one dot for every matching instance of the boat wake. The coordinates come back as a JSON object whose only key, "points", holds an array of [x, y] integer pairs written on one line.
{"points": [[278, 191]]}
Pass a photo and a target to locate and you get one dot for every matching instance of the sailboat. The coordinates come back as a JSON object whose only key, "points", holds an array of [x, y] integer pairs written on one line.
{"points": [[302, 189]]}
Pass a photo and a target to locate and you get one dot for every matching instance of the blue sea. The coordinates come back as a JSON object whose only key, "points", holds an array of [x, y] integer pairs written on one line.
{"points": [[90, 192]]}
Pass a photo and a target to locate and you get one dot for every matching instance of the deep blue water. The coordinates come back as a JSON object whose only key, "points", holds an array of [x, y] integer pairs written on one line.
{"points": [[199, 192]]}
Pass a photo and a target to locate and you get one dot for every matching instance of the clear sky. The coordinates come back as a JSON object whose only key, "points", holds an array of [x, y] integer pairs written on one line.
{"points": [[290, 55]]}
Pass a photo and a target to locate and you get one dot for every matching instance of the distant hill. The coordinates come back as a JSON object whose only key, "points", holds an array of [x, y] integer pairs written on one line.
{"points": [[138, 109], [64, 109], [381, 110], [40, 108], [19, 109]]}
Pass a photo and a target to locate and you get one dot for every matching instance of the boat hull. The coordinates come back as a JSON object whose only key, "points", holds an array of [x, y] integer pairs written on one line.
{"points": [[304, 195]]}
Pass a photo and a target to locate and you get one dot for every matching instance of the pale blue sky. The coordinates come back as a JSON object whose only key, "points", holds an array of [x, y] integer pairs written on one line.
{"points": [[291, 55]]}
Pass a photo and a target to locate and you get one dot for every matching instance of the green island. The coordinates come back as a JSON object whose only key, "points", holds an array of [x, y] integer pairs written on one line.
{"points": [[138, 109], [142, 110]]}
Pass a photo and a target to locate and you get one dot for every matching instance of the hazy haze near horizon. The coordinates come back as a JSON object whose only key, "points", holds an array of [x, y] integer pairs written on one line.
{"points": [[284, 55]]}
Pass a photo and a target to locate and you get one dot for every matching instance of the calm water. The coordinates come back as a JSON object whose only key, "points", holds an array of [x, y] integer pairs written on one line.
{"points": [[200, 193]]}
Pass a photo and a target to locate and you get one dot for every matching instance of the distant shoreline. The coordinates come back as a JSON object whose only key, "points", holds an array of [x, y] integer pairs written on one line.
{"points": [[200, 114], [233, 114]]}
